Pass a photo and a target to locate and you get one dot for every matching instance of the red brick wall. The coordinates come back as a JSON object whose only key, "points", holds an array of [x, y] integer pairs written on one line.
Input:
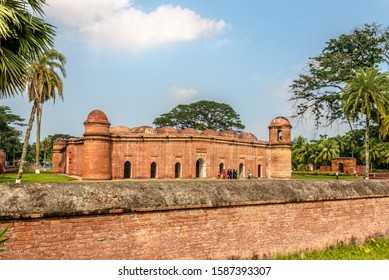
{"points": [[217, 233], [59, 156], [238, 229], [74, 156], [166, 153]]}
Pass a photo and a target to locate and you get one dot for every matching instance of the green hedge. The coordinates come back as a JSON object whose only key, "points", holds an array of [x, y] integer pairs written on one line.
{"points": [[318, 173]]}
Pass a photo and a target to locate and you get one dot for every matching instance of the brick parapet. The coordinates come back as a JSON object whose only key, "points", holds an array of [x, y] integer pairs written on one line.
{"points": [[79, 199], [188, 220]]}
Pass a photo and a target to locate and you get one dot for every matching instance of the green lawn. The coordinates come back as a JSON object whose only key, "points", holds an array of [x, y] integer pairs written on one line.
{"points": [[374, 249], [50, 177], [31, 177], [323, 177]]}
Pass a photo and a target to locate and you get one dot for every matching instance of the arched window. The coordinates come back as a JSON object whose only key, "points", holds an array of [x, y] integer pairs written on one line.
{"points": [[127, 170], [259, 171], [177, 170], [279, 135], [200, 168], [153, 170]]}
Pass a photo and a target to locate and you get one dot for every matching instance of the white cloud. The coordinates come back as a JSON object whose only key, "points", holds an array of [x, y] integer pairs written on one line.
{"points": [[120, 25], [181, 95]]}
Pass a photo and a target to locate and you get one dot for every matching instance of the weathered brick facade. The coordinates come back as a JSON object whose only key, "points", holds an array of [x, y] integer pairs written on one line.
{"points": [[144, 152]]}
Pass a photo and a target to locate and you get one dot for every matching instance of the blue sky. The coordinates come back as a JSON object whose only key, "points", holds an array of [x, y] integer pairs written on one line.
{"points": [[138, 59]]}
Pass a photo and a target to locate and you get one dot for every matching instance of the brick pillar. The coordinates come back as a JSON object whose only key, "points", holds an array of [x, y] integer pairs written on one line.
{"points": [[59, 155], [280, 148], [97, 147]]}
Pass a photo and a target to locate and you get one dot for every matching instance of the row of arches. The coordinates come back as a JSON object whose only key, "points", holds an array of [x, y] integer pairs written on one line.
{"points": [[201, 170]]}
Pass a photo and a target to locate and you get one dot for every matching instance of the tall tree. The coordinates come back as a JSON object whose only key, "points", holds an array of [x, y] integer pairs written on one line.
{"points": [[317, 91], [23, 36], [44, 83], [366, 94], [202, 115]]}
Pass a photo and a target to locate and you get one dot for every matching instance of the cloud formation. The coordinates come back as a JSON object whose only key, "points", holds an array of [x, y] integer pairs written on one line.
{"points": [[181, 95], [119, 25]]}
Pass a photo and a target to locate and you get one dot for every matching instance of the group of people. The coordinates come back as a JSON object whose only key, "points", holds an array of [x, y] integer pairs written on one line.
{"points": [[231, 174]]}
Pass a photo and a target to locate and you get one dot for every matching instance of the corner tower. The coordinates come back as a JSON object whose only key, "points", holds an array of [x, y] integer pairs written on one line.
{"points": [[59, 155], [280, 142], [97, 147]]}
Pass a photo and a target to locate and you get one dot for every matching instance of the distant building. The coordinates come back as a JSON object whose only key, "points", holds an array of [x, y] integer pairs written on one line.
{"points": [[120, 152]]}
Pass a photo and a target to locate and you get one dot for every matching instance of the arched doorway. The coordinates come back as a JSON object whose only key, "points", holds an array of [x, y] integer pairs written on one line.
{"points": [[241, 170], [259, 171], [127, 170], [341, 167], [153, 171], [221, 168], [177, 170], [200, 168]]}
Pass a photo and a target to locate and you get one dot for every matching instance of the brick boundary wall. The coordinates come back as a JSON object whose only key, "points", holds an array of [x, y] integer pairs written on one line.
{"points": [[188, 220]]}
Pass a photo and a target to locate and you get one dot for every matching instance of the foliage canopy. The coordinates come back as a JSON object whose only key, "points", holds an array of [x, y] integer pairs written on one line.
{"points": [[202, 115], [317, 91], [23, 36]]}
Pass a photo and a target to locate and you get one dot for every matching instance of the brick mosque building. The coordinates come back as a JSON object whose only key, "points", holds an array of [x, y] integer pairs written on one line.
{"points": [[106, 152]]}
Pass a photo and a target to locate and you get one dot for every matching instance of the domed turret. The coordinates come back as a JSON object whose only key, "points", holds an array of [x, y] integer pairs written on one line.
{"points": [[280, 131], [281, 148], [97, 147]]}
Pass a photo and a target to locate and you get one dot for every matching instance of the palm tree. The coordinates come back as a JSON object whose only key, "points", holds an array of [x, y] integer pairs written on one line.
{"points": [[23, 37], [298, 151], [46, 144], [328, 149], [44, 83], [350, 141], [366, 93]]}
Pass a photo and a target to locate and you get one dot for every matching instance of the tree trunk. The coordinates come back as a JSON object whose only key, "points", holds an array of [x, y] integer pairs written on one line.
{"points": [[25, 144], [38, 136], [367, 148]]}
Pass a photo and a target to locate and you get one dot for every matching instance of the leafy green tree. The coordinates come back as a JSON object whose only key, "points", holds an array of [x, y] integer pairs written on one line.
{"points": [[9, 135], [46, 145], [300, 152], [202, 115], [23, 36], [44, 83], [365, 93], [318, 91], [351, 141]]}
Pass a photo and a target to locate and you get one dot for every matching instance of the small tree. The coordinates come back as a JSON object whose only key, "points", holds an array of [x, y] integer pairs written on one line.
{"points": [[46, 144]]}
